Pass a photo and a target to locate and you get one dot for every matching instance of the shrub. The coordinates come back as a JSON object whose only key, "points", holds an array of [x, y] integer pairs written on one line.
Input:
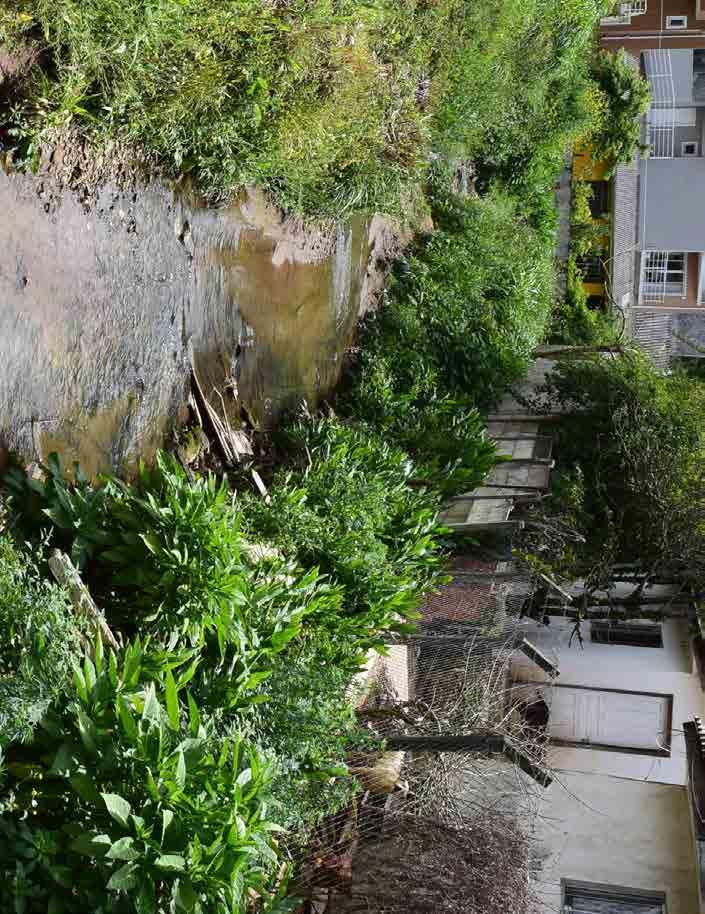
{"points": [[587, 235], [574, 322], [352, 514], [637, 436], [39, 638], [617, 136], [169, 560], [127, 804], [332, 107], [463, 313]]}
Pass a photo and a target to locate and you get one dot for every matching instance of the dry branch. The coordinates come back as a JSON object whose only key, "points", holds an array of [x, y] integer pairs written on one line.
{"points": [[67, 575]]}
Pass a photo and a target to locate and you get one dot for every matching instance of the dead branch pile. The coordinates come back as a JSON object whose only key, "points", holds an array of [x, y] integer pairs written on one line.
{"points": [[422, 867]]}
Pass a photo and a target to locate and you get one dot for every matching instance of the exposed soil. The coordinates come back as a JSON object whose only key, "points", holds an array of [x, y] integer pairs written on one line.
{"points": [[115, 286]]}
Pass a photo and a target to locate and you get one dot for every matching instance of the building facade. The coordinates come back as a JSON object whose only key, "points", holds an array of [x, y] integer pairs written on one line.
{"points": [[657, 257], [617, 830]]}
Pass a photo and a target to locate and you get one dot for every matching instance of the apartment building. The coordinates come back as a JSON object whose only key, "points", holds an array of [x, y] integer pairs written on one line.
{"points": [[657, 257]]}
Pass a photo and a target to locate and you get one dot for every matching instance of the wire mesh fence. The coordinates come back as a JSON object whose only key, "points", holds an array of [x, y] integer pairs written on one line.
{"points": [[443, 801]]}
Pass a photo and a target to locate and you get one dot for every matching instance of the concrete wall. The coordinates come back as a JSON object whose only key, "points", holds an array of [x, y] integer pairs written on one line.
{"points": [[672, 204], [610, 831], [615, 818]]}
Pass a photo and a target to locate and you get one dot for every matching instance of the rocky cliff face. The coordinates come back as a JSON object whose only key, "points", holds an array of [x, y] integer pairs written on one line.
{"points": [[113, 288]]}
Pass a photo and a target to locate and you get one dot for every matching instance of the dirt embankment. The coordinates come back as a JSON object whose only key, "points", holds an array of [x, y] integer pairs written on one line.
{"points": [[114, 286]]}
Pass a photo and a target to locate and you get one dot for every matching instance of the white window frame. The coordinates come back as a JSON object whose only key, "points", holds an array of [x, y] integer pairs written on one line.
{"points": [[690, 155], [676, 22], [660, 288], [609, 893]]}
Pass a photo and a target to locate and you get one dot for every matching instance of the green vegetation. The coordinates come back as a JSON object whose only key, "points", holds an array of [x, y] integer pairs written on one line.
{"points": [[191, 766], [352, 514], [185, 771], [39, 640], [574, 322], [625, 98], [462, 315], [332, 105], [633, 445]]}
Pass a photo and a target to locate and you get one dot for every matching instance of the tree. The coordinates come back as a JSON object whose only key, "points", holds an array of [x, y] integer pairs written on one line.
{"points": [[631, 446], [626, 98]]}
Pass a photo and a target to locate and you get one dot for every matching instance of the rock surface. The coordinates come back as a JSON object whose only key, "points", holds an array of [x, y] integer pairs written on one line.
{"points": [[112, 289]]}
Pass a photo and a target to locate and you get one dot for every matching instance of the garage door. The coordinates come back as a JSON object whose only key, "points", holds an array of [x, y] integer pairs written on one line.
{"points": [[631, 720]]}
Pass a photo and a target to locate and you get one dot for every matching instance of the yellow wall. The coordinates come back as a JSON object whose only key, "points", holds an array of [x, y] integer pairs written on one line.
{"points": [[585, 168]]}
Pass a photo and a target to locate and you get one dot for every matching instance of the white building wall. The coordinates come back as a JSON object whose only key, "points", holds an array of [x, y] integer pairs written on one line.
{"points": [[611, 817], [617, 832], [667, 670]]}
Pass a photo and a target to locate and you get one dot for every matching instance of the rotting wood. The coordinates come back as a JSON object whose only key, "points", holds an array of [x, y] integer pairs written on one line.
{"points": [[67, 575], [261, 487], [193, 406], [234, 445], [549, 582], [538, 657], [491, 743], [499, 525], [561, 352]]}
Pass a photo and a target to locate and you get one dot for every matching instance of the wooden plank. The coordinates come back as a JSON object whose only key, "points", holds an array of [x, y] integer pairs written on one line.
{"points": [[503, 525], [473, 742], [538, 657], [524, 417], [67, 575]]}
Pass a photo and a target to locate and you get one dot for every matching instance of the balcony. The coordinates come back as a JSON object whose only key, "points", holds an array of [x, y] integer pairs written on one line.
{"points": [[623, 12], [661, 120]]}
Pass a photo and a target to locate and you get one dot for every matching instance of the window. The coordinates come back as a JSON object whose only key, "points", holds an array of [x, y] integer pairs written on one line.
{"points": [[591, 267], [632, 634], [600, 200], [689, 148], [586, 898], [676, 22], [665, 272]]}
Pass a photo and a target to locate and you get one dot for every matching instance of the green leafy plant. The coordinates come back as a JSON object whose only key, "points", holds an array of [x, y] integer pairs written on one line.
{"points": [[331, 107], [352, 514], [616, 137], [574, 322], [126, 776], [75, 508], [465, 309]]}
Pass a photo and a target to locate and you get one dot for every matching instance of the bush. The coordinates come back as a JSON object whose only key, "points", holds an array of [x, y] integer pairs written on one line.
{"points": [[332, 107], [128, 805], [587, 235], [352, 514], [463, 314], [179, 796], [39, 638], [618, 135], [636, 437], [574, 322]]}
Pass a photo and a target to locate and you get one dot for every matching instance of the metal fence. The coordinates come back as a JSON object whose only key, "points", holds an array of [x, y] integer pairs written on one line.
{"points": [[661, 117]]}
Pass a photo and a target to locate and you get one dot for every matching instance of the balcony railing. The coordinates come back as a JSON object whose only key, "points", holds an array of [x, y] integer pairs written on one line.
{"points": [[661, 119], [624, 12]]}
